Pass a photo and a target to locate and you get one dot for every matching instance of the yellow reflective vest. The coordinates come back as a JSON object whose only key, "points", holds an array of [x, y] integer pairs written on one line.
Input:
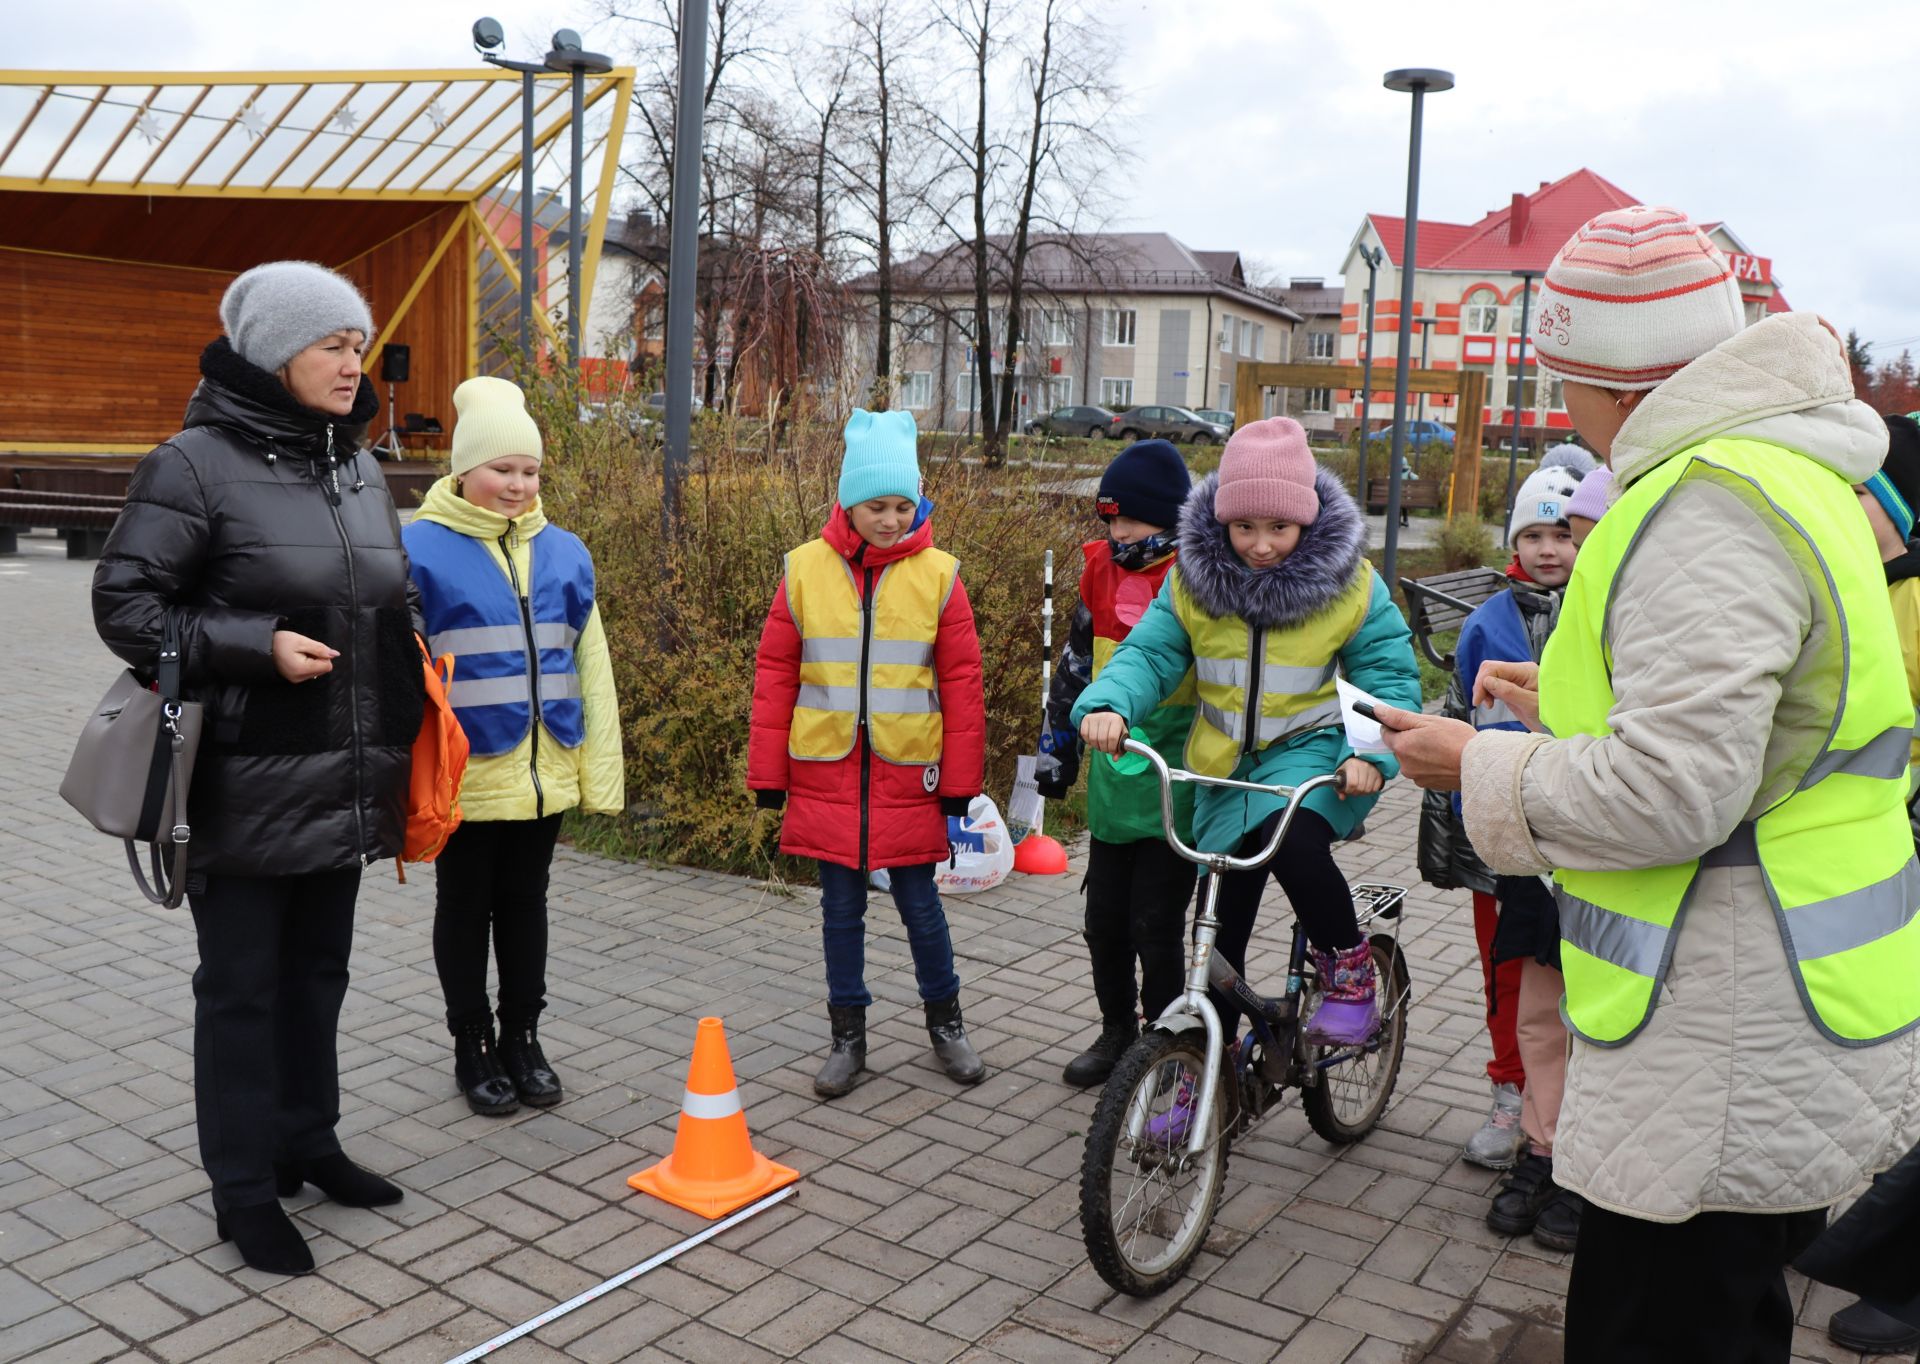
{"points": [[1834, 852], [1259, 687], [867, 658]]}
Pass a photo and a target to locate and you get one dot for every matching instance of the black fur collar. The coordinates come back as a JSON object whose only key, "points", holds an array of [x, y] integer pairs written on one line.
{"points": [[235, 392], [1297, 588]]}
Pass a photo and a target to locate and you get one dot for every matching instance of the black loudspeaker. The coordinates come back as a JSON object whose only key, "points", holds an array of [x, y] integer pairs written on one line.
{"points": [[393, 364]]}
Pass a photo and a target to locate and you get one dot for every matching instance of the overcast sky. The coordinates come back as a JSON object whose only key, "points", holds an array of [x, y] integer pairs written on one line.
{"points": [[1261, 125]]}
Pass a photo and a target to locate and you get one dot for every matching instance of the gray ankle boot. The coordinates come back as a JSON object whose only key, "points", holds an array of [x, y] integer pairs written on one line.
{"points": [[849, 1055], [950, 1043]]}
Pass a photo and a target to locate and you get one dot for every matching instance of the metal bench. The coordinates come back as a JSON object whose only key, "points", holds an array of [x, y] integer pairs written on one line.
{"points": [[1416, 494], [82, 519], [1443, 601]]}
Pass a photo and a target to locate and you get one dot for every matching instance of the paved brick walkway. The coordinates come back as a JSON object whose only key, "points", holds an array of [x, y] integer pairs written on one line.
{"points": [[931, 1224]]}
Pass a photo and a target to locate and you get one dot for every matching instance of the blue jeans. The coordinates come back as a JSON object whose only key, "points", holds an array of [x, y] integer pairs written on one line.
{"points": [[843, 933]]}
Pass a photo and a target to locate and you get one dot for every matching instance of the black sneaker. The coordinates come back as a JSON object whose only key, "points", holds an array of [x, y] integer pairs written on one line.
{"points": [[1522, 1195], [1558, 1225], [1866, 1328], [1093, 1066]]}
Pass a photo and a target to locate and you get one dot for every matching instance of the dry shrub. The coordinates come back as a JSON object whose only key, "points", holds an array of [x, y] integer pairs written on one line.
{"points": [[683, 618], [1464, 543]]}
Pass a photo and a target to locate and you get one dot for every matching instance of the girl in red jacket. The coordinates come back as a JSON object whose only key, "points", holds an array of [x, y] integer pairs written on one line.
{"points": [[868, 711]]}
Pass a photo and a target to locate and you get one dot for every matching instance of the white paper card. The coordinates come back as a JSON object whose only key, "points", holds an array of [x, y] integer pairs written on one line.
{"points": [[1363, 735]]}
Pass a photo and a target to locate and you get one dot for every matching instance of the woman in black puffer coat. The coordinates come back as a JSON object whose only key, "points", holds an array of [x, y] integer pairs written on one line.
{"points": [[273, 543]]}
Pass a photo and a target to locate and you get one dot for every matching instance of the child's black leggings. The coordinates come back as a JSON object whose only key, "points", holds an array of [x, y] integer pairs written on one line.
{"points": [[1315, 887]]}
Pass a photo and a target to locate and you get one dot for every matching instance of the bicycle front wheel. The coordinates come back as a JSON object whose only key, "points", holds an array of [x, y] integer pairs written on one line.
{"points": [[1145, 1204]]}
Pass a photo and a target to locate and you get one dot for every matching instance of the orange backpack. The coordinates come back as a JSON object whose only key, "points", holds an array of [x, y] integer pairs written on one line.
{"points": [[439, 762]]}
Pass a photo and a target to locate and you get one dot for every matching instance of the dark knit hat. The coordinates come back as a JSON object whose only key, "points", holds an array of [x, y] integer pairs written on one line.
{"points": [[1147, 481], [1902, 465]]}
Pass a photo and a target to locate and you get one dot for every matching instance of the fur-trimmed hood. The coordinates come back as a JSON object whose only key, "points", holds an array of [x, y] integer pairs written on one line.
{"points": [[1294, 590]]}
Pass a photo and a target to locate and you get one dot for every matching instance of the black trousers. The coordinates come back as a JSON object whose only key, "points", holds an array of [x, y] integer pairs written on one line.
{"points": [[1315, 888], [491, 881], [266, 1075], [1137, 898], [1710, 1290]]}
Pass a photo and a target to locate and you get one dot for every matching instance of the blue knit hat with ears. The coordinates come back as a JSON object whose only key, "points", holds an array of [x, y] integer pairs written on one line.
{"points": [[882, 459]]}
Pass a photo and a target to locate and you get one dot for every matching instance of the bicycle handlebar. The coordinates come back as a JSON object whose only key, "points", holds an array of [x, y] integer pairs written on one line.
{"points": [[1221, 861]]}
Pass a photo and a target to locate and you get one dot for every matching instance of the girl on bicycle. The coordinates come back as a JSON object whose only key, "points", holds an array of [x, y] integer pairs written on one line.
{"points": [[1271, 596]]}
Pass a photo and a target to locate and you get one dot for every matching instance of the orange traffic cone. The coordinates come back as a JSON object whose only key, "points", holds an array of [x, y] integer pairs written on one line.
{"points": [[714, 1168]]}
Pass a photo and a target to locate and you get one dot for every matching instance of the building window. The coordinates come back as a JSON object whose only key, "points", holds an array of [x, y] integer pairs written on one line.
{"points": [[1121, 323], [964, 390], [1060, 391], [1226, 398], [1226, 331], [653, 320], [1530, 394], [1481, 313], [1319, 400], [912, 325], [1245, 342], [1513, 321], [1050, 326], [1259, 351], [1320, 345], [916, 390], [1116, 393]]}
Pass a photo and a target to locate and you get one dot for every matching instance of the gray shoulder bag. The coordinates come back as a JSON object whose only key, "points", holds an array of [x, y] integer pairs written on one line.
{"points": [[131, 769]]}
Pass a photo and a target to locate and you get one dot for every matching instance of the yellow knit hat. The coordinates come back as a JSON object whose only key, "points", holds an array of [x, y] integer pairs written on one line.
{"points": [[492, 421]]}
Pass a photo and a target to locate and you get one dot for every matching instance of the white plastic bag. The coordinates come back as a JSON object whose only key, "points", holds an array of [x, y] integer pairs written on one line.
{"points": [[983, 850], [1025, 809]]}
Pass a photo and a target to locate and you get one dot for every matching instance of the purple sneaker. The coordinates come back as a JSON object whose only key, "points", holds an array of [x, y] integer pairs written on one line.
{"points": [[1170, 1128], [1348, 1014]]}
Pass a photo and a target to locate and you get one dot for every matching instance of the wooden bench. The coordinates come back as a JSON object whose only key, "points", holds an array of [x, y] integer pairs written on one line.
{"points": [[1443, 601], [1416, 494], [82, 519]]}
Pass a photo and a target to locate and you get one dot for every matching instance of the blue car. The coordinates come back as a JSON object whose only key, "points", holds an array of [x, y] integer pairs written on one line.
{"points": [[1420, 434]]}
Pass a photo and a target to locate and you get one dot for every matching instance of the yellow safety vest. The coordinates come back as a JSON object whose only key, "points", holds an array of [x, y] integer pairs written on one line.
{"points": [[867, 660], [1834, 849], [1283, 678]]}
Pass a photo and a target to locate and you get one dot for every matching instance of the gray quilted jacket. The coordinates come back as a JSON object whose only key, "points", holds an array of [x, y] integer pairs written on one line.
{"points": [[1729, 1099]]}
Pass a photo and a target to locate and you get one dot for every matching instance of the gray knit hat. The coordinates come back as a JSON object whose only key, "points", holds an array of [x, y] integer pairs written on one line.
{"points": [[275, 311]]}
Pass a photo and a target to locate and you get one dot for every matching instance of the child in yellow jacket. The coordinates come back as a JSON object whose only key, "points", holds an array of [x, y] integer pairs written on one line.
{"points": [[511, 597]]}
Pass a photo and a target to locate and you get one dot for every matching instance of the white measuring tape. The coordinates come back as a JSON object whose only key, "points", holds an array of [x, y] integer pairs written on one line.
{"points": [[625, 1276]]}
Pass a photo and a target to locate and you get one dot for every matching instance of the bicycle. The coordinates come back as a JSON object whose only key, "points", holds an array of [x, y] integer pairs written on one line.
{"points": [[1156, 1154]]}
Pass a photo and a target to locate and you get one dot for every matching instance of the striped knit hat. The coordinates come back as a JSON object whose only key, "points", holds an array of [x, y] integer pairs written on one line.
{"points": [[1634, 297]]}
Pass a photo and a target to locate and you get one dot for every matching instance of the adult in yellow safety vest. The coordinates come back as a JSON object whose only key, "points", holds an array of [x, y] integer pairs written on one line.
{"points": [[1719, 791]]}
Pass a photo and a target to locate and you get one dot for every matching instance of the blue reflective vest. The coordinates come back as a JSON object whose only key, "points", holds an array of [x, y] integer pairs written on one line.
{"points": [[474, 612]]}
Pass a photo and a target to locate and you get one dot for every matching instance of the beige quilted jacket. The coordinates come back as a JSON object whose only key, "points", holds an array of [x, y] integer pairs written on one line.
{"points": [[1729, 1099]]}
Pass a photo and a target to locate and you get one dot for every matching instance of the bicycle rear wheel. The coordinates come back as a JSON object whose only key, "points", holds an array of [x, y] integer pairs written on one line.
{"points": [[1355, 1084], [1145, 1205]]}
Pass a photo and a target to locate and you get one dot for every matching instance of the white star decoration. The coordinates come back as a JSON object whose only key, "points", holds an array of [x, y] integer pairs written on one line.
{"points": [[147, 126], [437, 116], [345, 119], [252, 122]]}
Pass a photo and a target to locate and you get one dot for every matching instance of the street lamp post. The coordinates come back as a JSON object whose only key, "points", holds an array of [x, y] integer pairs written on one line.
{"points": [[1418, 82], [683, 257], [1519, 367], [1372, 256], [567, 56], [488, 35], [1426, 335]]}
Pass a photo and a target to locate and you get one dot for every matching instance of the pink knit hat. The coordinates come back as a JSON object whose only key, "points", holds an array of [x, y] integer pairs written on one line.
{"points": [[1267, 471], [1635, 296], [1591, 497]]}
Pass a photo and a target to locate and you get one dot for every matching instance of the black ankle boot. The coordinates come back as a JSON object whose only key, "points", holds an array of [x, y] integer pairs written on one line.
{"points": [[1096, 1063], [950, 1043], [339, 1179], [526, 1065], [477, 1070], [849, 1055], [265, 1237]]}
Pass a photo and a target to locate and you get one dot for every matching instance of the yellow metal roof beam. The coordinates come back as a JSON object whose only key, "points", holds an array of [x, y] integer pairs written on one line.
{"points": [[307, 141], [138, 114], [166, 191], [538, 110], [478, 91], [257, 143], [172, 133], [18, 76], [513, 275], [603, 195], [98, 95], [593, 96], [220, 136], [357, 133]]}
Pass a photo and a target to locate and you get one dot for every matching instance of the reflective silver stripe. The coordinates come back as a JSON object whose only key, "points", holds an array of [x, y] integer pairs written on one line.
{"points": [[901, 701], [829, 649], [1272, 727], [710, 1105], [1221, 672], [506, 691], [816, 697], [477, 639], [1631, 944], [501, 639], [1884, 756], [1301, 681], [1227, 722], [1499, 713], [1857, 918], [912, 653]]}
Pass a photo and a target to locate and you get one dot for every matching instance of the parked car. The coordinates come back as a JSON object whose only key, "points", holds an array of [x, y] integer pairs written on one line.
{"points": [[1420, 434], [1173, 423], [1217, 415], [1073, 421]]}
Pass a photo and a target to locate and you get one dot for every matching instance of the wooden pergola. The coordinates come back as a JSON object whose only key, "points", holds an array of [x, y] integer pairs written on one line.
{"points": [[1463, 487], [128, 201]]}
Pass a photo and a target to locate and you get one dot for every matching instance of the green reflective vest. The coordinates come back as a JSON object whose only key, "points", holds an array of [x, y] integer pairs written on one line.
{"points": [[1834, 849], [1259, 687]]}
